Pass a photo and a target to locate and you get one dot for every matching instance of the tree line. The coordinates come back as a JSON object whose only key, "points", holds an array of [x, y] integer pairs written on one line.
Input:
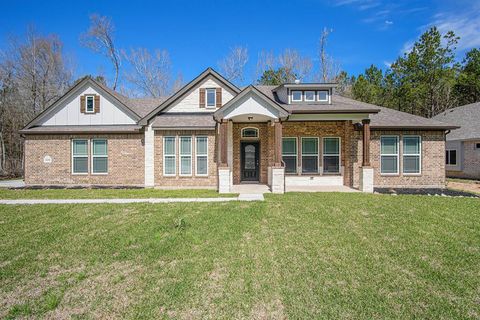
{"points": [[35, 71]]}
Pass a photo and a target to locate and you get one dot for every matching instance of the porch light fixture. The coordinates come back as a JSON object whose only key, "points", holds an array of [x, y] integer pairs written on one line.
{"points": [[250, 118]]}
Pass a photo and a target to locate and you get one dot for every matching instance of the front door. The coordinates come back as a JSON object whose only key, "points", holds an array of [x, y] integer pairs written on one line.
{"points": [[250, 152]]}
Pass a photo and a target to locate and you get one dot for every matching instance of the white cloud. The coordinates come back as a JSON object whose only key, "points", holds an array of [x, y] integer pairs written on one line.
{"points": [[389, 22], [466, 26], [387, 64]]}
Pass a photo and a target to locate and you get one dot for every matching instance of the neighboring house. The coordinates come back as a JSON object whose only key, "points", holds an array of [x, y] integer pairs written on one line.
{"points": [[213, 134], [463, 144]]}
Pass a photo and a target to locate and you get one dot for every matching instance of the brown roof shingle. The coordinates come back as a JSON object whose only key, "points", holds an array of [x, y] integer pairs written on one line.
{"points": [[184, 121]]}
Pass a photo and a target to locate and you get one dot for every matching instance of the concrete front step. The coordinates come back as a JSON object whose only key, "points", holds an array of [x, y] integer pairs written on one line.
{"points": [[312, 181]]}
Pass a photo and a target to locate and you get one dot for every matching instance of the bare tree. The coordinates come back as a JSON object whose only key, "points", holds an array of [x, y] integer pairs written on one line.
{"points": [[295, 65], [33, 74], [150, 72], [329, 68], [265, 61], [100, 39], [232, 66], [178, 83]]}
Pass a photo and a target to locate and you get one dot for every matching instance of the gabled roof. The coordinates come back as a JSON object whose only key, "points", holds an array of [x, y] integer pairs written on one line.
{"points": [[180, 93], [122, 101], [467, 117], [219, 114]]}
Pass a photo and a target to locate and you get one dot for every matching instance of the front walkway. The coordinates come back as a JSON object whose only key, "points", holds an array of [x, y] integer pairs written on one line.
{"points": [[17, 183]]}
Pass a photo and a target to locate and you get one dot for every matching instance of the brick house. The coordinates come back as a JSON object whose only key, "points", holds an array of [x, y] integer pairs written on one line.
{"points": [[213, 134], [462, 154]]}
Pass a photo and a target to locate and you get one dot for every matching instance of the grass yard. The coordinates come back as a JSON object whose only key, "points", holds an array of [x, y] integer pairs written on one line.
{"points": [[326, 255], [107, 193]]}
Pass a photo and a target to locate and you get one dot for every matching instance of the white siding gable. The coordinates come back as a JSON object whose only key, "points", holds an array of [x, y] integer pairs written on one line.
{"points": [[68, 113], [251, 105], [190, 102]]}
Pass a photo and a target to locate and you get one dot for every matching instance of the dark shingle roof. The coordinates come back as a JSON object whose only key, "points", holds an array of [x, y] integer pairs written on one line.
{"points": [[390, 118], [184, 121], [467, 117]]}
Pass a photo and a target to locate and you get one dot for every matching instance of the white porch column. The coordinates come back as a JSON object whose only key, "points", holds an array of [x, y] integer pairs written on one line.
{"points": [[366, 171], [224, 170], [149, 157], [366, 179]]}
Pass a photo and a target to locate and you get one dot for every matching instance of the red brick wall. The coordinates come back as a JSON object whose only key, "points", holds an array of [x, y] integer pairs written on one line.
{"points": [[125, 160]]}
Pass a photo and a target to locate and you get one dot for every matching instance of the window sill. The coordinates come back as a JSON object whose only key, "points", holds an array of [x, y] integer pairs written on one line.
{"points": [[390, 174], [80, 174], [412, 174], [100, 174]]}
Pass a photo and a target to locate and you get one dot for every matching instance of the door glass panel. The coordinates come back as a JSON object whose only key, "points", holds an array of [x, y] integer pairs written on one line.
{"points": [[250, 157]]}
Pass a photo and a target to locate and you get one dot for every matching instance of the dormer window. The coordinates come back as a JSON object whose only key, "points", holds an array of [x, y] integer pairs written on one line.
{"points": [[309, 95], [211, 103], [323, 95], [89, 104], [296, 95]]}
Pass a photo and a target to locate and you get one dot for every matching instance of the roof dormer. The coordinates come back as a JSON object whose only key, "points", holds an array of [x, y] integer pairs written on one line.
{"points": [[306, 93]]}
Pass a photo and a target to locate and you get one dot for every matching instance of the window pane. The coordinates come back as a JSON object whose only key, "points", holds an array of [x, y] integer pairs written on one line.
{"points": [[289, 146], [100, 165], [90, 104], [80, 147], [331, 164], [331, 146], [309, 164], [202, 145], [309, 95], [290, 164], [389, 164], [186, 145], [186, 165], [411, 164], [202, 165], [309, 145], [99, 147], [297, 95], [169, 147], [323, 95], [211, 97], [249, 133], [169, 165], [453, 157], [80, 165], [411, 145], [389, 145]]}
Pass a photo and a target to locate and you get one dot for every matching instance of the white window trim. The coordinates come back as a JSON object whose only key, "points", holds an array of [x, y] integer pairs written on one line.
{"points": [[73, 156], [291, 155], [331, 154], [202, 155], [328, 95], [256, 129], [314, 95], [180, 156], [301, 95], [174, 156], [419, 173], [94, 156], [456, 158], [397, 155], [214, 98], [309, 154], [86, 103]]}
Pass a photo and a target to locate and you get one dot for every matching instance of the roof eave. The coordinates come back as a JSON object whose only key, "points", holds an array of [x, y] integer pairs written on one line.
{"points": [[335, 111], [410, 127]]}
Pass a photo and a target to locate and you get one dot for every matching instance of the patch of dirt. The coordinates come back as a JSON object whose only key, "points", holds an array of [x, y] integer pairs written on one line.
{"points": [[470, 187], [427, 192], [268, 310]]}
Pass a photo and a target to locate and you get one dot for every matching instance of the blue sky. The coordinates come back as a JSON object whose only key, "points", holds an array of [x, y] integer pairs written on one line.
{"points": [[198, 34]]}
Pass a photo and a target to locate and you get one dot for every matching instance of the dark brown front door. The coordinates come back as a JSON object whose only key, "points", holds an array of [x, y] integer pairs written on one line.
{"points": [[250, 152]]}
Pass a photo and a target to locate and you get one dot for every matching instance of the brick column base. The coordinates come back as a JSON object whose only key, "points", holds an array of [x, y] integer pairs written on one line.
{"points": [[278, 180]]}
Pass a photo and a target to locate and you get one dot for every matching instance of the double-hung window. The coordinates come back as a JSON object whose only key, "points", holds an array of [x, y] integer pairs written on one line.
{"points": [[201, 153], [389, 154], [451, 157], [169, 156], [331, 155], [412, 149], [185, 156], [90, 104], [289, 154], [309, 155], [99, 156], [80, 156], [211, 97]]}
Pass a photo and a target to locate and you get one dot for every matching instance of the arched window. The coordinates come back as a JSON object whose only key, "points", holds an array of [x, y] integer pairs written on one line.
{"points": [[249, 133]]}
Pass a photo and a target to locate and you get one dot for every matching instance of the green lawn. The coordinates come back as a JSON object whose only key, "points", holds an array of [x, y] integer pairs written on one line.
{"points": [[107, 193], [327, 255]]}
